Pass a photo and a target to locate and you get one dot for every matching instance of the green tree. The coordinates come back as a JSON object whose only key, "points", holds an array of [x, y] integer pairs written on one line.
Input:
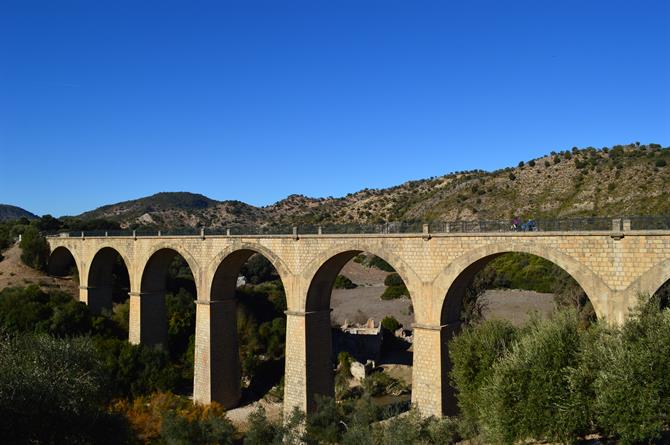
{"points": [[35, 249], [51, 391]]}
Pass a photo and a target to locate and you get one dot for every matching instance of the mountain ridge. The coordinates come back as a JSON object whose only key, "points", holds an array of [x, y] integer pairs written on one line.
{"points": [[10, 212], [625, 179]]}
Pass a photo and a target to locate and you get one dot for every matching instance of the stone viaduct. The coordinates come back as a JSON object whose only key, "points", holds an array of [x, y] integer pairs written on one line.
{"points": [[612, 267]]}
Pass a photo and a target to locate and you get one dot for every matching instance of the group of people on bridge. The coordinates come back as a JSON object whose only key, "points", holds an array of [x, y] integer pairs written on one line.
{"points": [[528, 226]]}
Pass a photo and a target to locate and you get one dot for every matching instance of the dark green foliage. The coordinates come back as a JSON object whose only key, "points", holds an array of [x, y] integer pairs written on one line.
{"points": [[133, 370], [631, 387], [381, 383], [51, 391], [180, 309], [531, 163], [261, 431], [261, 324], [35, 249], [208, 429], [472, 355], [393, 292], [5, 236], [391, 324], [660, 163], [342, 282], [556, 381], [528, 393], [258, 269], [49, 224], [375, 261], [511, 176], [29, 309], [325, 424], [522, 271], [128, 369], [393, 279]]}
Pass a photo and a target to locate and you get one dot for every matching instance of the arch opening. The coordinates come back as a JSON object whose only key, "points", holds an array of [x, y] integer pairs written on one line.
{"points": [[165, 310], [62, 264], [358, 332], [109, 285], [514, 287], [510, 285], [662, 295], [246, 314]]}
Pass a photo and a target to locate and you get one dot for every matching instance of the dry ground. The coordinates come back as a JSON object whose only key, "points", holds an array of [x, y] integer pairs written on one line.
{"points": [[14, 273]]}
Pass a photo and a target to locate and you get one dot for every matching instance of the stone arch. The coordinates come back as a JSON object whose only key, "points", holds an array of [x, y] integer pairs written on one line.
{"points": [[649, 282], [321, 272], [456, 276], [99, 280], [217, 372], [314, 320], [61, 260], [148, 314], [226, 265], [100, 269], [434, 394], [158, 260]]}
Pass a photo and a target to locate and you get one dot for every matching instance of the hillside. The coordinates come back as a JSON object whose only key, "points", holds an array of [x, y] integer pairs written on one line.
{"points": [[622, 180], [10, 212]]}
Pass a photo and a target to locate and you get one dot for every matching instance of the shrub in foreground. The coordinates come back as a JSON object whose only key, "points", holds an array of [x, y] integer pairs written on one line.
{"points": [[472, 355]]}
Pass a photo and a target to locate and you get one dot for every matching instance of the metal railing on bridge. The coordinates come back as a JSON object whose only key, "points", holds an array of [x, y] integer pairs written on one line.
{"points": [[476, 226]]}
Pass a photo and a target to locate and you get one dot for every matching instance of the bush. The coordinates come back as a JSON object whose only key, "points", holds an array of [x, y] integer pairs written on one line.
{"points": [[260, 431], [393, 292], [342, 282], [660, 163], [393, 279], [473, 354], [391, 324], [531, 163], [205, 424], [35, 249], [51, 392], [632, 389], [375, 261], [528, 395]]}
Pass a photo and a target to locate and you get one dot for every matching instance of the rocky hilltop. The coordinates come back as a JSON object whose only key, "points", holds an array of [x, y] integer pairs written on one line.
{"points": [[629, 179]]}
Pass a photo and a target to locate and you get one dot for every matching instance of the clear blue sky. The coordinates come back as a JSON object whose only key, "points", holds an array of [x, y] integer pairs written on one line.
{"points": [[104, 101]]}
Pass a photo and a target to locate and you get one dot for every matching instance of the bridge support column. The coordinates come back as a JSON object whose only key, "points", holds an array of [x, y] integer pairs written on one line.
{"points": [[98, 299], [217, 375], [431, 392], [309, 366], [148, 319]]}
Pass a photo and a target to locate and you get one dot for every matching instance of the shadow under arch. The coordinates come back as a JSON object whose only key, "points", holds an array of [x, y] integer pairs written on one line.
{"points": [[107, 267], [148, 315], [62, 263], [319, 377], [226, 267]]}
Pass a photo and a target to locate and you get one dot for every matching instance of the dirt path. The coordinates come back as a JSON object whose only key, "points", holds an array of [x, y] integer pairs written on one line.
{"points": [[14, 273]]}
